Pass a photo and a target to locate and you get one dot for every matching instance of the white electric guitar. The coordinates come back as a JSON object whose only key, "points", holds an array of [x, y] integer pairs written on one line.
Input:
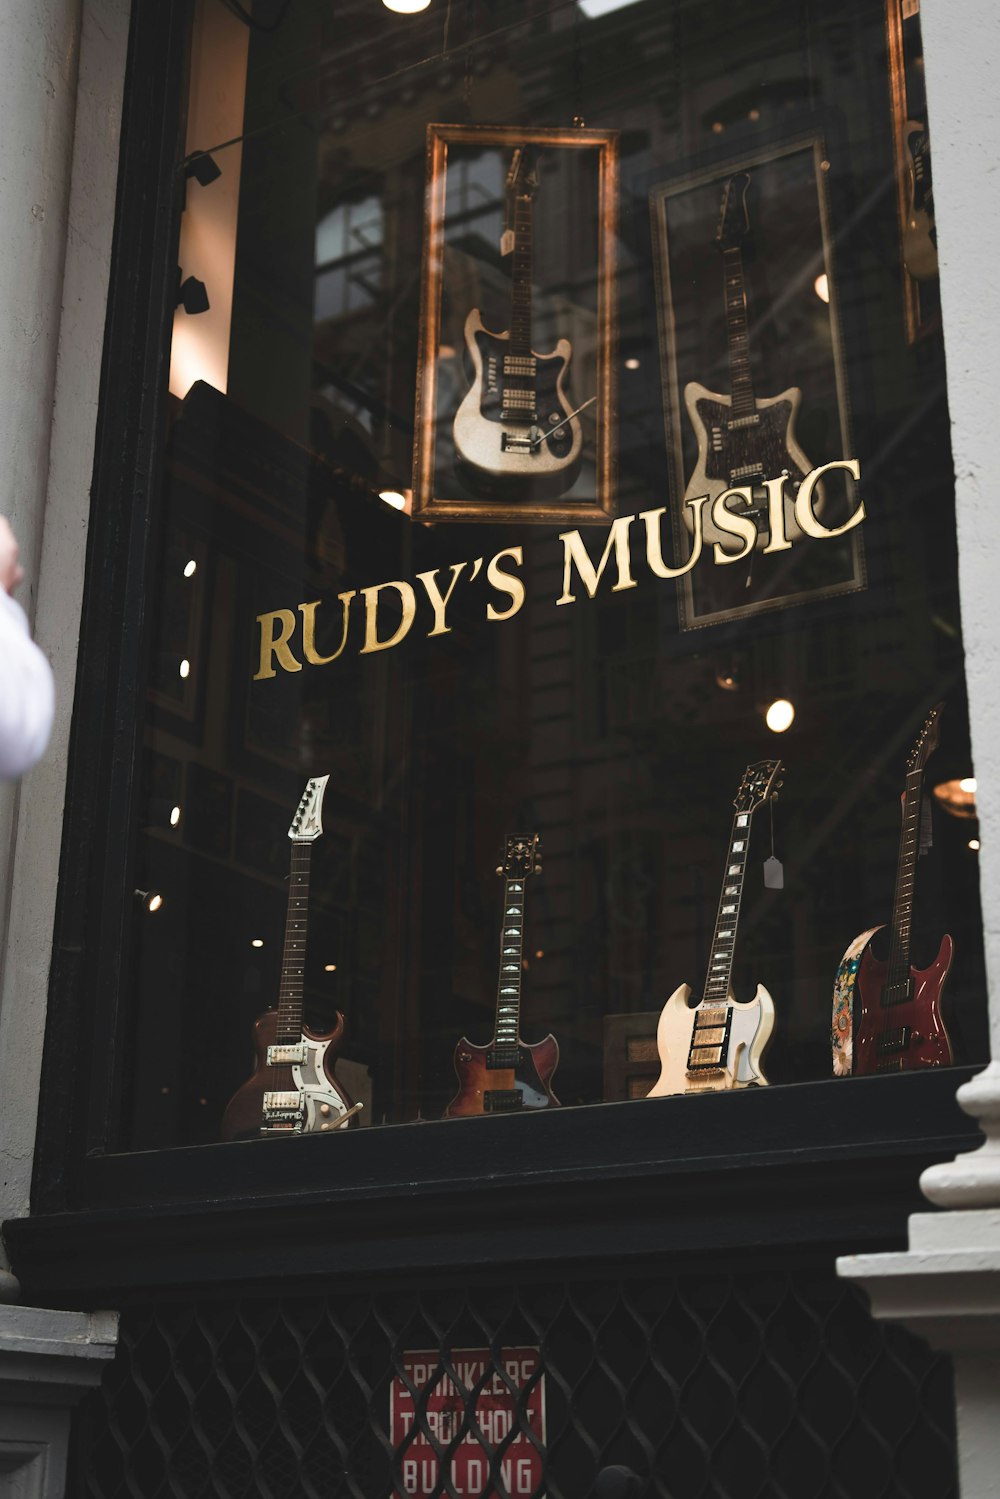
{"points": [[717, 1043], [743, 439], [516, 427], [294, 1089]]}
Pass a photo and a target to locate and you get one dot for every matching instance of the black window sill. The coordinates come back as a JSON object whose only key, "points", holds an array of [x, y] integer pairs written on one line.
{"points": [[833, 1163]]}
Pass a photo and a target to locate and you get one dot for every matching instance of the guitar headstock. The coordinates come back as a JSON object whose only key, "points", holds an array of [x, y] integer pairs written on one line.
{"points": [[927, 740], [521, 857], [522, 174], [734, 219], [307, 824], [760, 782]]}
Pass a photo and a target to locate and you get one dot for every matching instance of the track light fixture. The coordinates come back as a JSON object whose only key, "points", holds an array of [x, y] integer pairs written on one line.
{"points": [[202, 167], [192, 294]]}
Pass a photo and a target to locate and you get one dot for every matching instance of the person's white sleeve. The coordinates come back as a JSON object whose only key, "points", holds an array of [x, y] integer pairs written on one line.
{"points": [[27, 696]]}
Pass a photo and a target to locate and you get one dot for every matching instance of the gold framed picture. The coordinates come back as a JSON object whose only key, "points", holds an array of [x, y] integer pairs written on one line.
{"points": [[515, 409]]}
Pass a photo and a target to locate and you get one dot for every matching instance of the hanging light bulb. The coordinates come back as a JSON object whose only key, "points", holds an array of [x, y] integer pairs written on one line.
{"points": [[406, 7]]}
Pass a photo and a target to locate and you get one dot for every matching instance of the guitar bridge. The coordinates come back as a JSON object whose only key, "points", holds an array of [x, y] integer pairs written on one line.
{"points": [[283, 1112], [502, 1101]]}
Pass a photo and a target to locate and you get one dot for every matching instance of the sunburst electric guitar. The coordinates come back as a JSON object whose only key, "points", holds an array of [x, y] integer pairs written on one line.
{"points": [[516, 431], [718, 1043], [508, 1075], [293, 1089], [887, 1015], [743, 439]]}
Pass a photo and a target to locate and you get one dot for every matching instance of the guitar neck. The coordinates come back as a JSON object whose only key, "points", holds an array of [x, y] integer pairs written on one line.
{"points": [[720, 963], [508, 1019], [902, 906], [738, 334], [293, 958], [520, 294]]}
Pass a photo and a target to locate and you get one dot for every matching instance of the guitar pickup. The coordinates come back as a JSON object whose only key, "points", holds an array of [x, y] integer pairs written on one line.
{"points": [[898, 994], [287, 1056], [283, 1107], [502, 1101], [895, 1040], [503, 1058]]}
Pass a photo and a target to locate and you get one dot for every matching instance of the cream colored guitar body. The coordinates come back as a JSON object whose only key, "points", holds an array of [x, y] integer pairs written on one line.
{"points": [[750, 1027], [732, 455]]}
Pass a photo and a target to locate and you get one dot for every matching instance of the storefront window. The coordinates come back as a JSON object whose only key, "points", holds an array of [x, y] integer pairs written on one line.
{"points": [[556, 469]]}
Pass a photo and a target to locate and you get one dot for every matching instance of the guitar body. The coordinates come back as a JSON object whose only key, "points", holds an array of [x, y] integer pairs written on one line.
{"points": [[483, 1089], [749, 1031], [919, 236], [907, 1035], [495, 448], [313, 1078], [735, 454]]}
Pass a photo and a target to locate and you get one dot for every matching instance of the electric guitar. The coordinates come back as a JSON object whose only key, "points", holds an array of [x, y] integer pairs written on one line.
{"points": [[293, 1089], [508, 1075], [743, 439], [919, 233], [516, 426], [889, 1020], [718, 1043]]}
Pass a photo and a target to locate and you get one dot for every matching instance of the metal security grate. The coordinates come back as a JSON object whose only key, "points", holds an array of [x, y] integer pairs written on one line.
{"points": [[709, 1386]]}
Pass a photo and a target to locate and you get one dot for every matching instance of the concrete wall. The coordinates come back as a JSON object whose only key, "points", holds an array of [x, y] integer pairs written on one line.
{"points": [[62, 67]]}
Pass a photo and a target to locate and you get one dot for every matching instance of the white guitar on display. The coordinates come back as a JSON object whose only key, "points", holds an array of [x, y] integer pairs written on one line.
{"points": [[719, 1043]]}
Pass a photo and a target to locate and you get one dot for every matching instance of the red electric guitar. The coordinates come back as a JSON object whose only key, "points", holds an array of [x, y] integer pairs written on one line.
{"points": [[897, 1020], [508, 1075]]}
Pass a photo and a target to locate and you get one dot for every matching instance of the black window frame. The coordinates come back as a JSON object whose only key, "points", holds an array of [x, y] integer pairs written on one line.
{"points": [[816, 1162]]}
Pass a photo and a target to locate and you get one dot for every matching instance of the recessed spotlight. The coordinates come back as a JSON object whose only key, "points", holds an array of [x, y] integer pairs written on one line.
{"points": [[256, 942], [974, 845], [175, 816], [184, 669], [190, 568], [821, 286], [779, 715], [393, 497]]}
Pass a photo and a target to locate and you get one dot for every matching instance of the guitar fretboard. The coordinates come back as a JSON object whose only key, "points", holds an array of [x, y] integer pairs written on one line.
{"points": [[902, 906], [293, 958], [520, 295], [511, 947], [738, 334], [720, 962]]}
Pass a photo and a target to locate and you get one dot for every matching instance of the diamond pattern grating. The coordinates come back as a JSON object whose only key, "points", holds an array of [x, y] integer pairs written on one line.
{"points": [[709, 1386]]}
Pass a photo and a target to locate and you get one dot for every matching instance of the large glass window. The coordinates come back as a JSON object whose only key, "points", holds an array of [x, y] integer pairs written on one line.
{"points": [[555, 667]]}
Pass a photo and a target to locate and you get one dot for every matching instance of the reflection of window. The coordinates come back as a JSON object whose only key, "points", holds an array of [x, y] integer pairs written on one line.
{"points": [[474, 194], [348, 258]]}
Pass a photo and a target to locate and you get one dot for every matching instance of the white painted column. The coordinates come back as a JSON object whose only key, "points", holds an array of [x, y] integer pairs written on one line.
{"points": [[62, 66], [947, 1285]]}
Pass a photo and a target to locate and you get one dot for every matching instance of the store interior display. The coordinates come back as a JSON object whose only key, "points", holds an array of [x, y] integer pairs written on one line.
{"points": [[508, 1074], [887, 1017], [503, 305]]}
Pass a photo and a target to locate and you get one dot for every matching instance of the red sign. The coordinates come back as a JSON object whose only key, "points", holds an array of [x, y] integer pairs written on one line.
{"points": [[495, 1414]]}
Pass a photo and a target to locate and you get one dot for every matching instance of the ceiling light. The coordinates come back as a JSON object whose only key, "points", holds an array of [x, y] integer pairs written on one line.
{"points": [[256, 942], [821, 286], [779, 715], [406, 7], [203, 168], [594, 8], [393, 497], [958, 797], [974, 845], [175, 816], [154, 900], [329, 967], [632, 364], [190, 568], [184, 670]]}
